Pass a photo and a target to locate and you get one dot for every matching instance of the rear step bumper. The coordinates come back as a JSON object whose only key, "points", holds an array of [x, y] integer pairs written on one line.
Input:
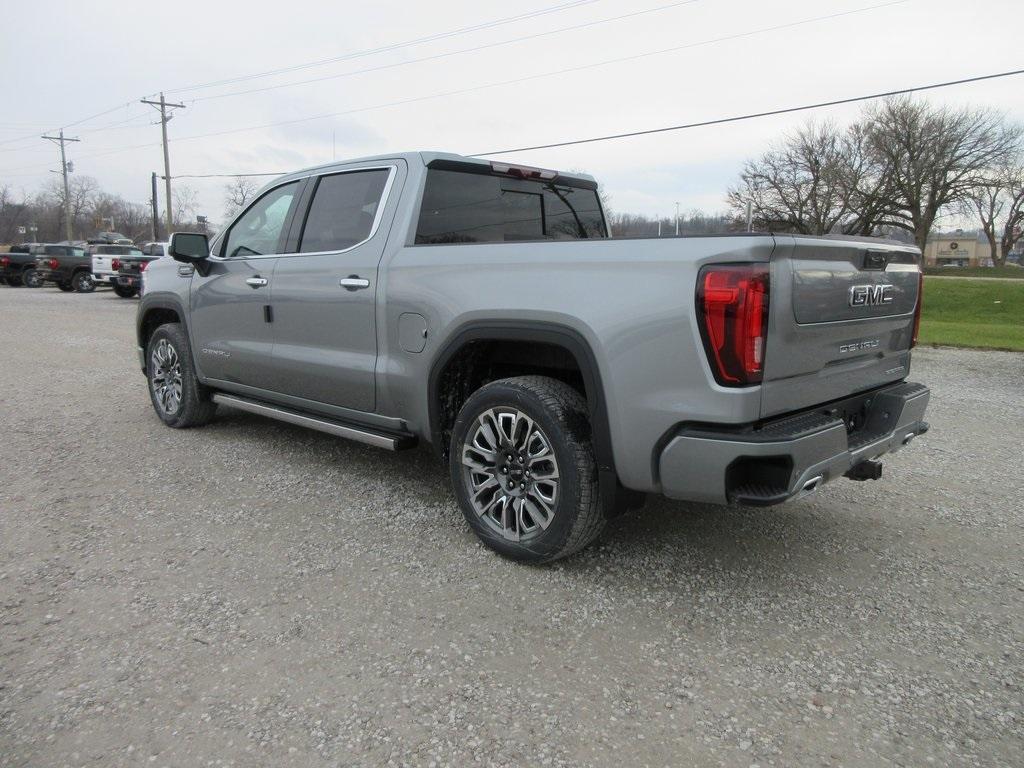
{"points": [[774, 461]]}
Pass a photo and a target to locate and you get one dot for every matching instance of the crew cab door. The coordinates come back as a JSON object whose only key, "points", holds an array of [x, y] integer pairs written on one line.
{"points": [[324, 308], [231, 333]]}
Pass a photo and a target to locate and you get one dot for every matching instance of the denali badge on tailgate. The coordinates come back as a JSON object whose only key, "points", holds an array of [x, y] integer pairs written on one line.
{"points": [[870, 295]]}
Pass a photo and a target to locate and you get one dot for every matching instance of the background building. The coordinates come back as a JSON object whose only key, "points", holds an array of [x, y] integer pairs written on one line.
{"points": [[960, 249]]}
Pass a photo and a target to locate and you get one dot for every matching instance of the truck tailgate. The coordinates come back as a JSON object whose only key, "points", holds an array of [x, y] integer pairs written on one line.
{"points": [[842, 319]]}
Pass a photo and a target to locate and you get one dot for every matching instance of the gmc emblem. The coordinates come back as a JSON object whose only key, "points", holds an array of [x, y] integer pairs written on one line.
{"points": [[871, 295]]}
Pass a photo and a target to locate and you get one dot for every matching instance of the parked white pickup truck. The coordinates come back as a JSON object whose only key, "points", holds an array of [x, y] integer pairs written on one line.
{"points": [[106, 263]]}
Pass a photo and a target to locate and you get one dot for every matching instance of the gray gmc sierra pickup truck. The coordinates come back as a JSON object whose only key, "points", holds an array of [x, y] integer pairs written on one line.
{"points": [[483, 308]]}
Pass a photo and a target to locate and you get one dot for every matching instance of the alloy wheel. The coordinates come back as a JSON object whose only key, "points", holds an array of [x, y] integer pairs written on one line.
{"points": [[165, 377], [510, 471]]}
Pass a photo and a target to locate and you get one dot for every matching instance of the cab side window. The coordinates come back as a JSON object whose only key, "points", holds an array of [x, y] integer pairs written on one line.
{"points": [[343, 210], [259, 229]]}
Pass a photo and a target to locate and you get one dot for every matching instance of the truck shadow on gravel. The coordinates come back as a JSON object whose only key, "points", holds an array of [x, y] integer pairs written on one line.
{"points": [[797, 539]]}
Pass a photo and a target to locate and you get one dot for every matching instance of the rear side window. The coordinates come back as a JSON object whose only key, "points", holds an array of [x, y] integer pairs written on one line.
{"points": [[461, 207], [343, 210]]}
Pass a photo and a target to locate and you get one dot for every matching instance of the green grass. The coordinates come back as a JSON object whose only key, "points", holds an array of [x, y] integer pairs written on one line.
{"points": [[973, 313], [1017, 273]]}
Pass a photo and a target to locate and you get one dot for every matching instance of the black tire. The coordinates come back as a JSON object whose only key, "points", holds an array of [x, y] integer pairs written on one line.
{"points": [[14, 281], [194, 408], [30, 278], [560, 412], [83, 282], [66, 287], [125, 291]]}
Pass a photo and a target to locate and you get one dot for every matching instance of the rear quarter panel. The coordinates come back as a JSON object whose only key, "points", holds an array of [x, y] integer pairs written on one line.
{"points": [[631, 300]]}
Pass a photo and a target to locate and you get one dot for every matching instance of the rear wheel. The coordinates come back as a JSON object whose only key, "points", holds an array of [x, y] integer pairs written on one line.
{"points": [[125, 291], [83, 282], [177, 396], [523, 469], [31, 278], [66, 287]]}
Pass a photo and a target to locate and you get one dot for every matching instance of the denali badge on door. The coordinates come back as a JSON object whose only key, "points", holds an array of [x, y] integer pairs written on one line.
{"points": [[871, 295]]}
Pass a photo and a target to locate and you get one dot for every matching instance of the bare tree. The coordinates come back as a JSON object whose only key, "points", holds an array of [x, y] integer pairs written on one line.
{"points": [[1013, 222], [82, 195], [184, 207], [237, 194], [818, 180], [12, 216], [934, 156]]}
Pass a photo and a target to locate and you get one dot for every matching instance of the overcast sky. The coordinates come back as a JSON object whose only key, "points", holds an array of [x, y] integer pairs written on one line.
{"points": [[65, 61]]}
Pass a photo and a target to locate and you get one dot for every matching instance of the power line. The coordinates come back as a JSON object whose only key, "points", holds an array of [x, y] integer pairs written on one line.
{"points": [[542, 75], [447, 54], [753, 115], [306, 65], [69, 125], [393, 46]]}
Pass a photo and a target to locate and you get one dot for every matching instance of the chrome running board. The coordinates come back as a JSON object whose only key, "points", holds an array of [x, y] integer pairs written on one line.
{"points": [[360, 434]]}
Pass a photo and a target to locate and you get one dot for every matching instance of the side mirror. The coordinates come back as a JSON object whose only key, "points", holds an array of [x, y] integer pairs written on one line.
{"points": [[189, 247]]}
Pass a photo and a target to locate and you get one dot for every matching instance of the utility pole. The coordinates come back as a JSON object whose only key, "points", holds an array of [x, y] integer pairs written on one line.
{"points": [[64, 171], [677, 219], [164, 118], [750, 216], [153, 205]]}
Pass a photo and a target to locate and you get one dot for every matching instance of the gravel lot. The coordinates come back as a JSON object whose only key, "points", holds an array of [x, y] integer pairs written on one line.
{"points": [[255, 594]]}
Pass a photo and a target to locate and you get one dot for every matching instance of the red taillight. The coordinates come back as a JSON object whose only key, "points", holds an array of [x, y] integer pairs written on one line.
{"points": [[115, 264], [143, 265], [732, 307], [4, 261], [917, 310], [53, 263]]}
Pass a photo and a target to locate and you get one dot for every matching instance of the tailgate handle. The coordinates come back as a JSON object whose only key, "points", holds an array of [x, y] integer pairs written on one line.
{"points": [[876, 260]]}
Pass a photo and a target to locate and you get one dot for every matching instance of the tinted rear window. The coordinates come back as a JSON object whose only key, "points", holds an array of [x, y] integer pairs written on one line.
{"points": [[343, 210], [463, 207]]}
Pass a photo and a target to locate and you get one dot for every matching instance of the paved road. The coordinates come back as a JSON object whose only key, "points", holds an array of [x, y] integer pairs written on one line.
{"points": [[253, 594]]}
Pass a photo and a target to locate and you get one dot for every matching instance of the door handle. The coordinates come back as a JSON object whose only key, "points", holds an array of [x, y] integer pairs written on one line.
{"points": [[353, 283], [256, 282]]}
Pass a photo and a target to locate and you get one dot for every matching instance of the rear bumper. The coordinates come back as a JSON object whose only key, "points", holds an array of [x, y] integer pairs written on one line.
{"points": [[792, 455], [105, 277]]}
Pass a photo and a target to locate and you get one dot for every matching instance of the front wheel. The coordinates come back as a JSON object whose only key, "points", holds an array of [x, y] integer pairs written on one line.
{"points": [[176, 393], [83, 282], [523, 469], [125, 291]]}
